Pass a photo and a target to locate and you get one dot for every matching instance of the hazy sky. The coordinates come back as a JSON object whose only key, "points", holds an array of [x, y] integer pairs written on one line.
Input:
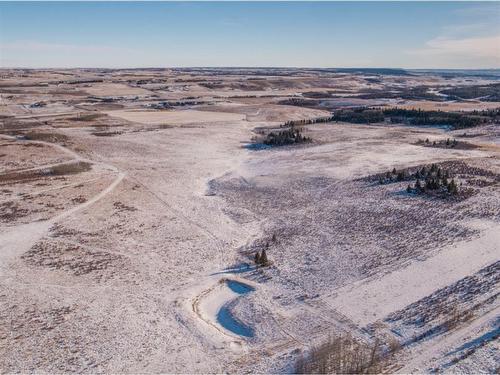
{"points": [[312, 34]]}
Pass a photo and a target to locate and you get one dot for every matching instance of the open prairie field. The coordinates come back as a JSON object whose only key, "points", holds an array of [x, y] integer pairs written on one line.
{"points": [[234, 220]]}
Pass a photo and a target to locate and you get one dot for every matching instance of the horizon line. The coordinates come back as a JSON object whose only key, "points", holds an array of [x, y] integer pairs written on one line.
{"points": [[241, 67]]}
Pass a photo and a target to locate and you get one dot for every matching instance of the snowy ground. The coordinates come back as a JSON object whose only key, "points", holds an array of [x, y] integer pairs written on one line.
{"points": [[141, 261]]}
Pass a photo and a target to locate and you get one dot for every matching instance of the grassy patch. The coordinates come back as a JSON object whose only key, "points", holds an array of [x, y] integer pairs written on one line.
{"points": [[87, 117], [106, 133], [58, 170], [46, 137]]}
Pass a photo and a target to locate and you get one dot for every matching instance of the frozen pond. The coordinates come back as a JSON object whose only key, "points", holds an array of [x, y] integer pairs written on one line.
{"points": [[238, 287], [224, 316]]}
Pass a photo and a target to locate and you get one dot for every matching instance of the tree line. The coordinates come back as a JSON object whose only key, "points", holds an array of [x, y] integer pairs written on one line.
{"points": [[417, 117]]}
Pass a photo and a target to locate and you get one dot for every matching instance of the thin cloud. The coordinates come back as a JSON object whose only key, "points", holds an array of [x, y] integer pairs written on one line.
{"points": [[474, 51], [488, 47], [467, 30]]}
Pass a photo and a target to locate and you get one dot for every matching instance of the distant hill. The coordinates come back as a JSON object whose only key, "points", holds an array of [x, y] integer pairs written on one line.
{"points": [[483, 73]]}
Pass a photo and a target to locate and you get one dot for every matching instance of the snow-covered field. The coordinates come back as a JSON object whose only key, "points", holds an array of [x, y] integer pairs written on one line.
{"points": [[370, 300], [175, 117], [128, 247]]}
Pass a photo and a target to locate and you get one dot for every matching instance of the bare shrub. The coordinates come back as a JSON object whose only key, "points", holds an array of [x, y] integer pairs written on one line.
{"points": [[106, 133], [393, 345], [70, 168], [74, 259], [10, 211], [87, 117], [46, 137], [57, 170], [456, 316], [341, 355]]}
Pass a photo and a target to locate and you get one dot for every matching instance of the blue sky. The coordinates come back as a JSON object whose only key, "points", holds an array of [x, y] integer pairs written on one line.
{"points": [[302, 34]]}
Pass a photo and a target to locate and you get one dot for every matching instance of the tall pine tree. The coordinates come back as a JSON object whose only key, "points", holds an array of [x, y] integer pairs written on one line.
{"points": [[257, 258], [263, 258]]}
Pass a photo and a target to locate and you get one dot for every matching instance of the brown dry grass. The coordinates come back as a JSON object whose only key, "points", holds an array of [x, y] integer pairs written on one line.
{"points": [[106, 133], [46, 137], [58, 170], [87, 117]]}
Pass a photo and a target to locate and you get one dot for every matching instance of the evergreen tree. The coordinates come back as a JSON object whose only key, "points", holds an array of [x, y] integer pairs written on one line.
{"points": [[257, 258], [263, 258], [452, 187], [408, 188], [394, 171], [428, 184], [418, 185]]}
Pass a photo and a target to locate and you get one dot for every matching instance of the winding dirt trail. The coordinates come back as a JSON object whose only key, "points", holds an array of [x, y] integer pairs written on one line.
{"points": [[21, 238]]}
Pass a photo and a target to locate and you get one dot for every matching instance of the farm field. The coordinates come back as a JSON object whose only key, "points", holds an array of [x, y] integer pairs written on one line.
{"points": [[134, 202]]}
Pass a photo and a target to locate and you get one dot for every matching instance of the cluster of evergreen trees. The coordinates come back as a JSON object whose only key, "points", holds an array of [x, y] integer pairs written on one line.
{"points": [[395, 176], [428, 180], [286, 137], [433, 185], [435, 180], [449, 143], [261, 258]]}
